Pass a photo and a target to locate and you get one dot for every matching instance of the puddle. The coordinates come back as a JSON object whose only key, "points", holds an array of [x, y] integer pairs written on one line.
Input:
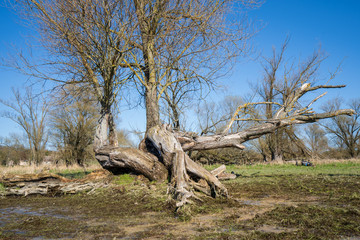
{"points": [[275, 229], [11, 215], [252, 202], [5, 212]]}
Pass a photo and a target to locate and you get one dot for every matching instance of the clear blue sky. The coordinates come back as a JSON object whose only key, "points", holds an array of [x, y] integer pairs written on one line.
{"points": [[333, 24]]}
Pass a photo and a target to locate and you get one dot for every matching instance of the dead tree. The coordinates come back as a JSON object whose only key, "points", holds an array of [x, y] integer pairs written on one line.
{"points": [[30, 113], [163, 150]]}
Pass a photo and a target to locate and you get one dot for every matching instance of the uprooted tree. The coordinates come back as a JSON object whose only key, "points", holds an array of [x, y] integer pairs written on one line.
{"points": [[163, 150], [153, 45]]}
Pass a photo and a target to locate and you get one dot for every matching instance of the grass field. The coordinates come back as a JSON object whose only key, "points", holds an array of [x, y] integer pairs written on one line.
{"points": [[267, 202]]}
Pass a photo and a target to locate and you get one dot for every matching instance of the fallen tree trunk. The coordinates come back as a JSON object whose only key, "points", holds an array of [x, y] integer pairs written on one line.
{"points": [[117, 160], [51, 184]]}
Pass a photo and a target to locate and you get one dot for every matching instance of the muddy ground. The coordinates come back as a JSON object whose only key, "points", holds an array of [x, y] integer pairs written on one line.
{"points": [[280, 204]]}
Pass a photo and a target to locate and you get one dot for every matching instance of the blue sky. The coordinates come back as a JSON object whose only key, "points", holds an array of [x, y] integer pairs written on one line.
{"points": [[333, 24]]}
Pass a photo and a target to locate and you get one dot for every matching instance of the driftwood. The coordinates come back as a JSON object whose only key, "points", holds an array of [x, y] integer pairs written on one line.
{"points": [[51, 184], [163, 151]]}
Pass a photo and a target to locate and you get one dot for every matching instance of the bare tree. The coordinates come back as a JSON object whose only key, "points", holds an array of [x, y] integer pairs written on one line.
{"points": [[30, 111], [213, 116], [316, 139], [13, 150], [149, 40], [181, 41], [281, 78], [345, 129], [85, 42], [176, 99], [74, 119]]}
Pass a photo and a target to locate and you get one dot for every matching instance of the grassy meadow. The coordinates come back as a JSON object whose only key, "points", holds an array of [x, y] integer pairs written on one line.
{"points": [[266, 202]]}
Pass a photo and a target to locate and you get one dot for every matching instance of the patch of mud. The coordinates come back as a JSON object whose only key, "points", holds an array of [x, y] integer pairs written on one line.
{"points": [[5, 212], [275, 229]]}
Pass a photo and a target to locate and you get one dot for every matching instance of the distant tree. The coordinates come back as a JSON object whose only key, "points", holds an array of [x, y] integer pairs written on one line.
{"points": [[73, 121], [85, 43], [177, 98], [13, 150], [345, 130], [213, 116], [281, 78], [30, 112], [316, 139], [124, 139]]}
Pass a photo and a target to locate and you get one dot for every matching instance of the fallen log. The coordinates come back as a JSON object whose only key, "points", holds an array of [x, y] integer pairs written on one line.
{"points": [[218, 170], [117, 160], [51, 184]]}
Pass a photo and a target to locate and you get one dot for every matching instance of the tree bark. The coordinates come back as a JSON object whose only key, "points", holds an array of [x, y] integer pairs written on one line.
{"points": [[186, 174], [152, 107], [119, 160], [105, 133], [101, 132], [113, 140], [52, 184]]}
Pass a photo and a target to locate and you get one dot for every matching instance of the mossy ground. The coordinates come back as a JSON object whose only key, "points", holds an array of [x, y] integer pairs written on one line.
{"points": [[267, 202]]}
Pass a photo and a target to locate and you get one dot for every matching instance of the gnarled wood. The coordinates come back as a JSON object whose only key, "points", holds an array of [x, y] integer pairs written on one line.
{"points": [[116, 159], [180, 180], [48, 183], [163, 138], [218, 170], [163, 149]]}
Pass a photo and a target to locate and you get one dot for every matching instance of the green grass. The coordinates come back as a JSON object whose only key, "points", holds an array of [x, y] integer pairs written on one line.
{"points": [[347, 168], [2, 188], [123, 179], [71, 174]]}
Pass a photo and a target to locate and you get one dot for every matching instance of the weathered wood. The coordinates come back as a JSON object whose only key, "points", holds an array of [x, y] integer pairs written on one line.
{"points": [[116, 159], [236, 139], [48, 183], [16, 178], [101, 132], [180, 180], [218, 170], [288, 114], [163, 138], [216, 186], [226, 176]]}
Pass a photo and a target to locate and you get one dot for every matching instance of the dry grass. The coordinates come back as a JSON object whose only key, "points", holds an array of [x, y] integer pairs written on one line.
{"points": [[48, 167], [329, 161], [315, 161]]}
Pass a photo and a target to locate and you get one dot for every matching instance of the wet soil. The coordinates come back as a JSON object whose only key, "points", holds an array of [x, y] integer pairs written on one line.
{"points": [[262, 207]]}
